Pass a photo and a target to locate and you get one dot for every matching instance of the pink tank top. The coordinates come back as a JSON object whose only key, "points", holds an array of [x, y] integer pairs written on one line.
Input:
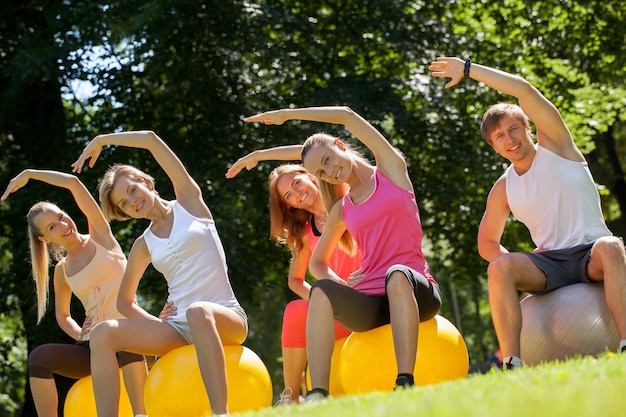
{"points": [[340, 262], [388, 231]]}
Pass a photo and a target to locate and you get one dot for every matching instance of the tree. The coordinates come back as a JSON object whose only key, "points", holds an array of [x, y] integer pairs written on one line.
{"points": [[191, 71]]}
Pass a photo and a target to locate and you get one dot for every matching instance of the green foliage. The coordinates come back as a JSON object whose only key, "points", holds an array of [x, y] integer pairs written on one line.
{"points": [[12, 359], [192, 70]]}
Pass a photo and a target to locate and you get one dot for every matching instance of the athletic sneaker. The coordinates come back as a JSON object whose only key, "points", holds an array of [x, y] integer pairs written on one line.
{"points": [[508, 366], [314, 396], [285, 398], [404, 382]]}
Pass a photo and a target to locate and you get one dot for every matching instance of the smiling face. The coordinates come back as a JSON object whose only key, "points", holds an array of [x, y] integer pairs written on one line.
{"points": [[329, 162], [54, 225], [511, 138], [134, 198], [298, 190]]}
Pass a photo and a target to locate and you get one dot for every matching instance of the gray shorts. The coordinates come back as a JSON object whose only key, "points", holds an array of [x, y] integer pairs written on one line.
{"points": [[562, 266], [183, 328]]}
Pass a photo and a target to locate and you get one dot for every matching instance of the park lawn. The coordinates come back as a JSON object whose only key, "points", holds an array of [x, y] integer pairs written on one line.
{"points": [[594, 387]]}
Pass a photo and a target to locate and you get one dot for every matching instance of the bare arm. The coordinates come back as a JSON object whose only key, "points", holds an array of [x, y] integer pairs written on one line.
{"points": [[493, 222], [388, 159], [62, 299], [138, 261], [99, 228], [552, 132], [187, 191], [297, 273], [319, 264], [279, 153]]}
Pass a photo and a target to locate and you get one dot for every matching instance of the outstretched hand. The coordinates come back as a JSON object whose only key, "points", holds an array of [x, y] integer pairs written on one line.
{"points": [[248, 162], [448, 67], [91, 152], [274, 117], [15, 184]]}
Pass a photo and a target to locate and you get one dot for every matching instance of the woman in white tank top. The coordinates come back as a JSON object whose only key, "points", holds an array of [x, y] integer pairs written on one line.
{"points": [[181, 233]]}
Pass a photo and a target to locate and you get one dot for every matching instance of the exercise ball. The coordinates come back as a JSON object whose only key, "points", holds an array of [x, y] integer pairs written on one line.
{"points": [[175, 388], [80, 400], [335, 387], [368, 360], [569, 321]]}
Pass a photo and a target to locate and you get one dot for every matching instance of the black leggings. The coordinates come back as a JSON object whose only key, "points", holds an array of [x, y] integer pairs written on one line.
{"points": [[71, 361], [360, 312]]}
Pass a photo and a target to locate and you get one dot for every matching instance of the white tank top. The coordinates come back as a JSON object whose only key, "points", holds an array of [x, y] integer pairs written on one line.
{"points": [[557, 200], [192, 261]]}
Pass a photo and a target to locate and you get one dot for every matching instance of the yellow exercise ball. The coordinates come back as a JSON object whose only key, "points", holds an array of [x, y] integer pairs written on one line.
{"points": [[175, 388], [368, 360], [335, 387], [80, 400]]}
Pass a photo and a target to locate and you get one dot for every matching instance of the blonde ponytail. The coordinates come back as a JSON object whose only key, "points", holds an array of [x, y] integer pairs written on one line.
{"points": [[39, 258], [331, 193]]}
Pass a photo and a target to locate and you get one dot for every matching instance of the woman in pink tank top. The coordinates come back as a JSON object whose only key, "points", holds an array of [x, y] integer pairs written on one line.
{"points": [[297, 218], [405, 293]]}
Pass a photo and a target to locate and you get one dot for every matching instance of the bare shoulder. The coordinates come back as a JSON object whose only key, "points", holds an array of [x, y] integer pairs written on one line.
{"points": [[499, 186], [335, 216], [497, 194]]}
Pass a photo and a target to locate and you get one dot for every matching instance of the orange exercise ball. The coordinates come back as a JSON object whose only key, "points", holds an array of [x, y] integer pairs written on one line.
{"points": [[175, 388], [569, 321], [80, 400], [368, 360]]}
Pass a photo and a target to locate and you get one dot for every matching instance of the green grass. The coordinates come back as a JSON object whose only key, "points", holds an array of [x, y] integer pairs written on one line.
{"points": [[586, 386]]}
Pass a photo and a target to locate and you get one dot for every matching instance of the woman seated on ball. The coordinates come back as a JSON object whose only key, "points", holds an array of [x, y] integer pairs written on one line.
{"points": [[381, 213], [89, 266], [183, 244], [297, 219]]}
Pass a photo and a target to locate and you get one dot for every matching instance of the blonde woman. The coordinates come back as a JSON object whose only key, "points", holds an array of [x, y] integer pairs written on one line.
{"points": [[90, 266], [380, 212], [183, 244]]}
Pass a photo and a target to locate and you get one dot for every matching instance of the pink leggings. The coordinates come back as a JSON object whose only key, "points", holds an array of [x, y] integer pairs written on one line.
{"points": [[294, 325], [68, 360]]}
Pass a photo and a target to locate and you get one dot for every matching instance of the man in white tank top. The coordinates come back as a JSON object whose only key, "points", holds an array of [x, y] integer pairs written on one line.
{"points": [[549, 188]]}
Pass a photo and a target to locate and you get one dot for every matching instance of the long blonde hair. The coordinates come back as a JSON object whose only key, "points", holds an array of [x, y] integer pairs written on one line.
{"points": [[40, 253]]}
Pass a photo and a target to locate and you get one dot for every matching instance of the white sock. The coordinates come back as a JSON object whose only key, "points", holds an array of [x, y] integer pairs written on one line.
{"points": [[622, 343], [141, 415], [513, 360]]}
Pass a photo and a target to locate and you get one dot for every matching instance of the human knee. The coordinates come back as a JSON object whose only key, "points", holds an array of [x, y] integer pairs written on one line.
{"points": [[296, 308], [295, 313], [398, 284], [102, 335], [499, 269], [39, 360], [319, 290], [609, 248], [200, 313]]}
